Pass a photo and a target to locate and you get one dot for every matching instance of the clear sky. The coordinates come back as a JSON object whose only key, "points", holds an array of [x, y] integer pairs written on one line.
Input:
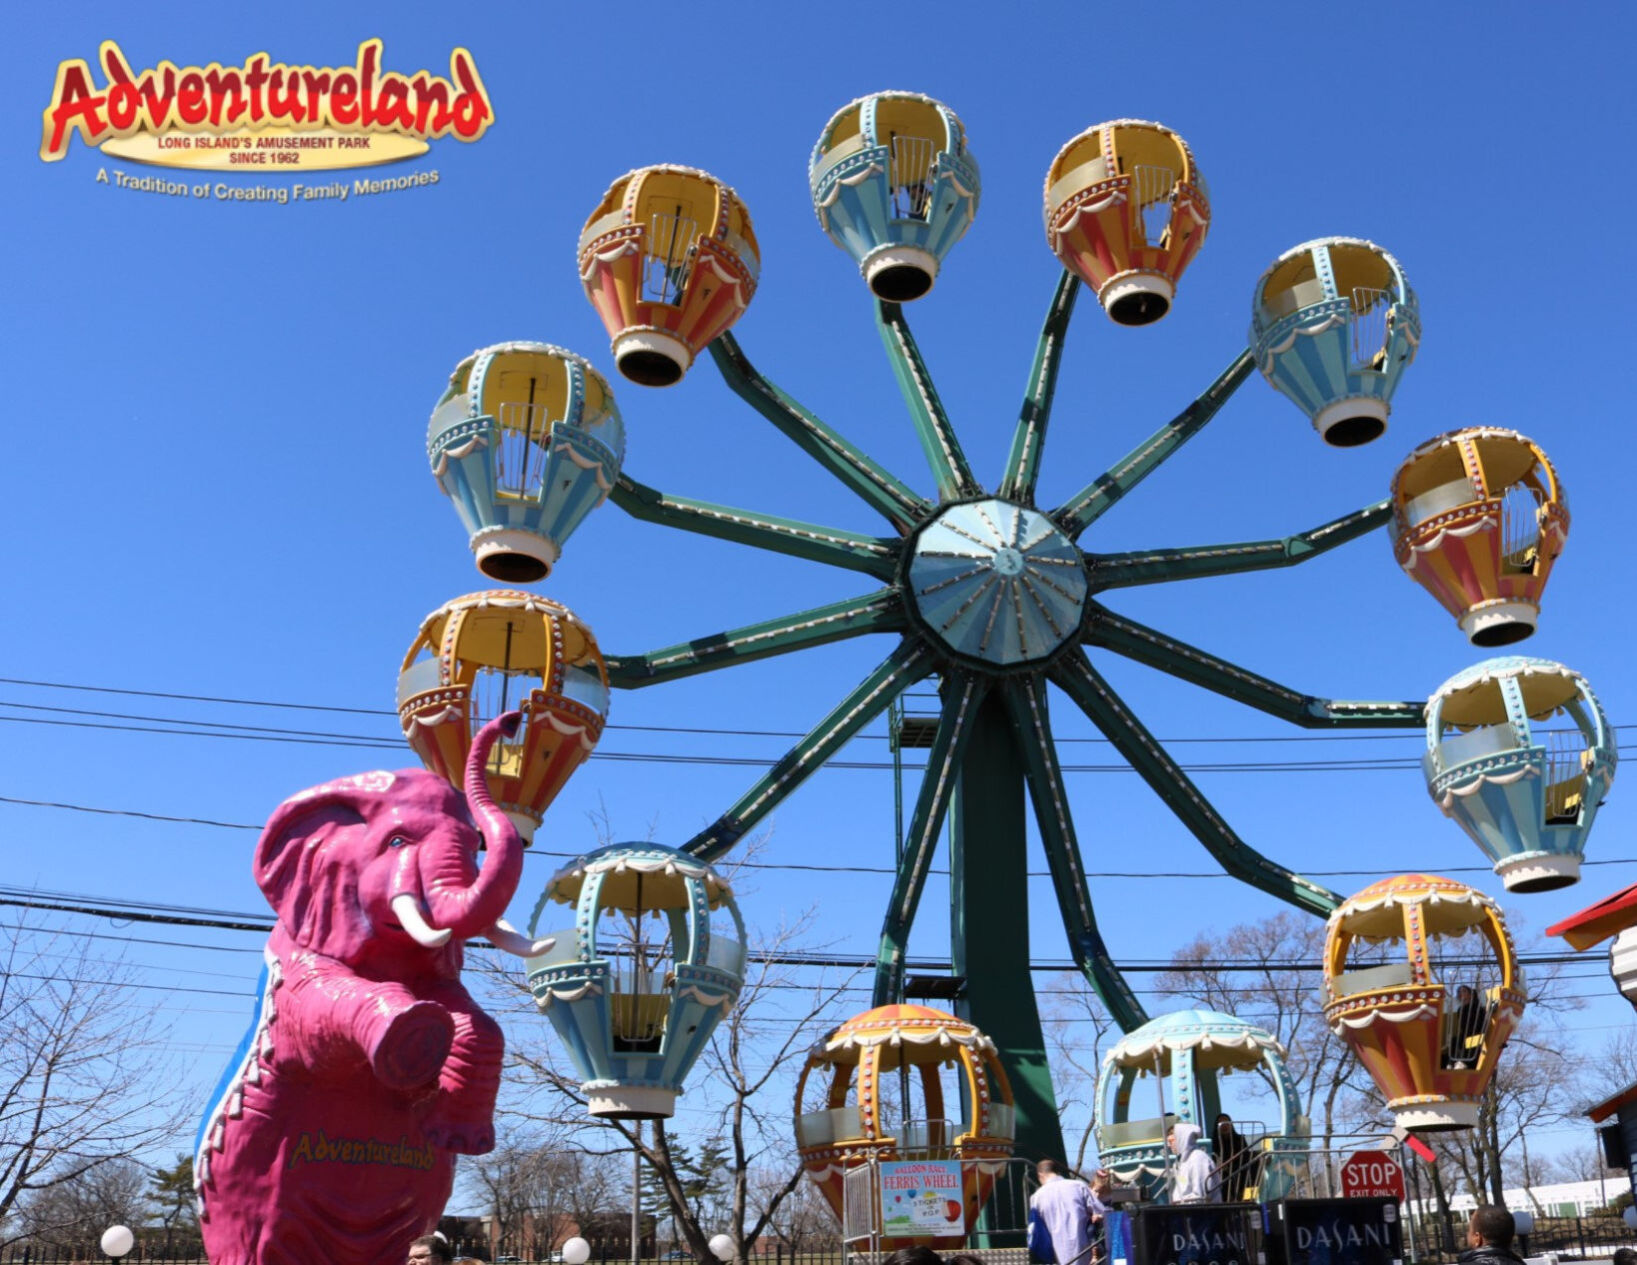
{"points": [[219, 484]]}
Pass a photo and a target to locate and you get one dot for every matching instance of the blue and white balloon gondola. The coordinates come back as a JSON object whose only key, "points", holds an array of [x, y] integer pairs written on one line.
{"points": [[895, 187], [1526, 794], [1333, 325], [1189, 1051], [653, 962], [526, 441]]}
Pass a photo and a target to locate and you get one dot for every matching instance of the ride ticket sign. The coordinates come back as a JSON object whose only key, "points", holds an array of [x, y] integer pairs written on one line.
{"points": [[922, 1199]]}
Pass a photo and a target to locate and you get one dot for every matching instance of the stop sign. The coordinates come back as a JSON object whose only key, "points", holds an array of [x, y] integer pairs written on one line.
{"points": [[1371, 1174]]}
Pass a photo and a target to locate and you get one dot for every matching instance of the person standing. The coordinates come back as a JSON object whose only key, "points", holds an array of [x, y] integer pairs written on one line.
{"points": [[1068, 1208], [1466, 1029], [1233, 1158], [1489, 1237], [1193, 1180]]}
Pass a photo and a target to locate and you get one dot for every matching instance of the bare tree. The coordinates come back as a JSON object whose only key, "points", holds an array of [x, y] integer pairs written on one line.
{"points": [[1077, 1027], [72, 1212], [1534, 1087], [1285, 1001], [748, 1067], [82, 1082]]}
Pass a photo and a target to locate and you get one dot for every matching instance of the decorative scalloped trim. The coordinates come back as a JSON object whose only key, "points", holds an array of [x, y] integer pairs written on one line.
{"points": [[1422, 1011], [589, 989], [1478, 783], [971, 1039], [1437, 542], [722, 1001], [1312, 331], [1249, 1040]]}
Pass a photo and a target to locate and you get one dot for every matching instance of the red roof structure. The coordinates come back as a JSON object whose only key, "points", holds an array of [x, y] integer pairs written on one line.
{"points": [[1608, 917]]}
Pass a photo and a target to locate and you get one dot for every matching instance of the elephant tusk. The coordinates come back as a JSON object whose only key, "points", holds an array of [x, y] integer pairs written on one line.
{"points": [[408, 910], [505, 936]]}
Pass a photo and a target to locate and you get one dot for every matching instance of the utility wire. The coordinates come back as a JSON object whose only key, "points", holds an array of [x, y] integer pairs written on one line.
{"points": [[101, 907], [249, 733], [677, 729], [805, 867]]}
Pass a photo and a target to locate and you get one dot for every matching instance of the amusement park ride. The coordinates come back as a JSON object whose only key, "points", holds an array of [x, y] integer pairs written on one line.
{"points": [[995, 596]]}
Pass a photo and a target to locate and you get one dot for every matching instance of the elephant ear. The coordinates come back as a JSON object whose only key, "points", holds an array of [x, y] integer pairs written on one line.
{"points": [[308, 861]]}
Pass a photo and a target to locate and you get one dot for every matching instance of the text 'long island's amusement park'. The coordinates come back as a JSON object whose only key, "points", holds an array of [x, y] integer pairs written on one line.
{"points": [[263, 114]]}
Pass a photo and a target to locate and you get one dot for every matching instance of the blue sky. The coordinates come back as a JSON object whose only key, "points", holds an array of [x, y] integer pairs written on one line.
{"points": [[217, 433]]}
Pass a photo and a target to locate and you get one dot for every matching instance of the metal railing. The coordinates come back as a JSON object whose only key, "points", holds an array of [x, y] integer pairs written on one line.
{"points": [[670, 257], [1369, 326], [520, 456], [1520, 524], [910, 175], [1152, 187], [1566, 758]]}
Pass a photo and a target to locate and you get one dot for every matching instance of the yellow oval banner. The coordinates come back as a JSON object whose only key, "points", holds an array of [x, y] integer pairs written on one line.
{"points": [[265, 151]]}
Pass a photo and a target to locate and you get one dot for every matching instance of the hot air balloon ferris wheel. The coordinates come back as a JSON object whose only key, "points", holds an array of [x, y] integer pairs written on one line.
{"points": [[995, 596]]}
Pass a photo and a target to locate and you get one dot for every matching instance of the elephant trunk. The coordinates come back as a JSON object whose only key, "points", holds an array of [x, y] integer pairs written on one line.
{"points": [[457, 900]]}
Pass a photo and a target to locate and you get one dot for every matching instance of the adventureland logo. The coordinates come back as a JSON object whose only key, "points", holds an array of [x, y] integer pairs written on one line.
{"points": [[263, 118]]}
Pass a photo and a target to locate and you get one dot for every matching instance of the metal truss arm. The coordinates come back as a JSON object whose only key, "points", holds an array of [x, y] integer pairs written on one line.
{"points": [[1075, 676], [1179, 659], [900, 670], [880, 490], [1026, 700], [962, 695], [1023, 462], [875, 612], [1156, 566], [829, 545], [1090, 503], [937, 436]]}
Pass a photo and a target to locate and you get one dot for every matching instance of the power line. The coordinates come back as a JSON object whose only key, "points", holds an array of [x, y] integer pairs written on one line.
{"points": [[677, 729], [251, 733], [800, 866], [101, 907]]}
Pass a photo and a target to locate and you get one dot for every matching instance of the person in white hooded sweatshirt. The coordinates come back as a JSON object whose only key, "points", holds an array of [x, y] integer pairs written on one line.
{"points": [[1193, 1180]]}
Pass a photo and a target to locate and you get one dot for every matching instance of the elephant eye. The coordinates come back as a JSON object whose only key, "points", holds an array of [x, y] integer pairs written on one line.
{"points": [[397, 841]]}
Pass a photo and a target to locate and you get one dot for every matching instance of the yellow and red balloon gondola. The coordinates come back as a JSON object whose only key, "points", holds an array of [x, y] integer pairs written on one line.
{"points": [[1479, 518], [855, 1069], [487, 653], [670, 261], [1425, 1013], [1126, 212]]}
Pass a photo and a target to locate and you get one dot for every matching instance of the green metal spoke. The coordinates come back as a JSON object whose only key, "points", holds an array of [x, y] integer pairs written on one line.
{"points": [[881, 611], [1156, 566], [884, 493], [1090, 503], [830, 545], [1028, 441], [907, 664], [1026, 699], [938, 438], [1147, 645], [962, 696], [1086, 686]]}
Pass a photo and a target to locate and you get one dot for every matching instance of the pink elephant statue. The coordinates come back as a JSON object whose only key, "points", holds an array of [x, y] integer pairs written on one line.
{"points": [[333, 1134]]}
